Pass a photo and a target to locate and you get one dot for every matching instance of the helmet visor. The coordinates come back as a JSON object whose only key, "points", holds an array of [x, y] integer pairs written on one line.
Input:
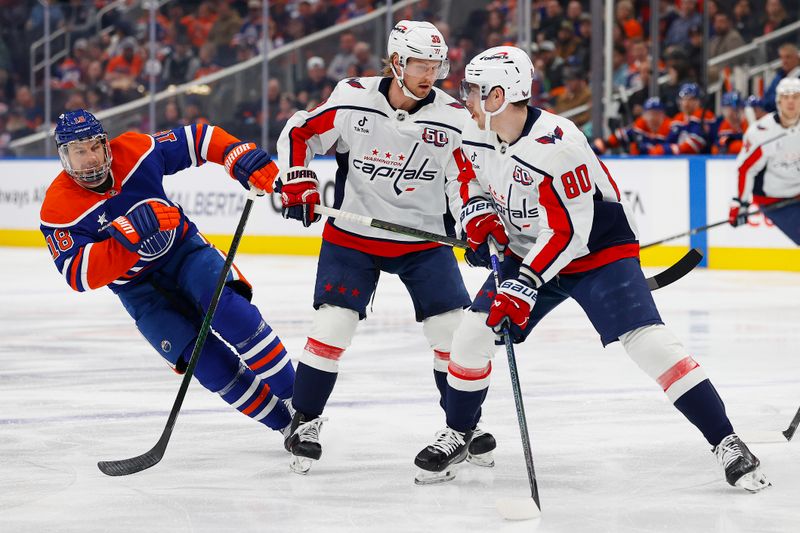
{"points": [[419, 68], [87, 160]]}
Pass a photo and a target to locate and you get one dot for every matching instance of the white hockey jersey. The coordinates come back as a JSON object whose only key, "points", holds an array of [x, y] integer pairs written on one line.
{"points": [[769, 162], [393, 165], [559, 204]]}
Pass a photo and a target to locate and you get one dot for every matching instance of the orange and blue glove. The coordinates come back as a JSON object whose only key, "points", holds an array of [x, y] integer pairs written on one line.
{"points": [[143, 222]]}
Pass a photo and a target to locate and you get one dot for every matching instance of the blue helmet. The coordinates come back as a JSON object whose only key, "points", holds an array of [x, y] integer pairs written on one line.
{"points": [[754, 101], [653, 104], [732, 99], [689, 90], [76, 126]]}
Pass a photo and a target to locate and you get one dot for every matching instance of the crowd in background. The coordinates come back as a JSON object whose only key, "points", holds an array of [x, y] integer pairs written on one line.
{"points": [[108, 68]]}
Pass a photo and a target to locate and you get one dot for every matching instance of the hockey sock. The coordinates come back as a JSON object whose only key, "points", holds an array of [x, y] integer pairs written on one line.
{"points": [[703, 407], [441, 384], [240, 323], [221, 371], [312, 388], [464, 408]]}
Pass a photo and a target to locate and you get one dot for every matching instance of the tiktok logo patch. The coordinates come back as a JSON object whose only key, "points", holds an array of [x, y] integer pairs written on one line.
{"points": [[362, 124]]}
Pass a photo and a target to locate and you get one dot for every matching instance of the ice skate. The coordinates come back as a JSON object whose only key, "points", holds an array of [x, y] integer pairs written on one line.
{"points": [[437, 460], [303, 442], [481, 448], [741, 466]]}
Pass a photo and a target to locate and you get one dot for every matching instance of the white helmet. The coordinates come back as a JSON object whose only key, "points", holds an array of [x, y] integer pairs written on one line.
{"points": [[420, 40], [507, 67]]}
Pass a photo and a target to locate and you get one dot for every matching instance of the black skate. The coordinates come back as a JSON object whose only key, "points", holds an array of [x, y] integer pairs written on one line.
{"points": [[436, 461], [302, 441], [741, 466], [481, 448]]}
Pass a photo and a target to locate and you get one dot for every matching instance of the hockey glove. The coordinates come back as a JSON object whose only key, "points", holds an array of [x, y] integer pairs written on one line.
{"points": [[738, 213], [512, 304], [143, 222], [480, 221], [479, 257], [250, 165], [299, 195]]}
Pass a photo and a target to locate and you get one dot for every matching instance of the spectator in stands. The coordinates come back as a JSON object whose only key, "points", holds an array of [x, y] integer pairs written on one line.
{"points": [[551, 21], [95, 100], [725, 39], [366, 63], [567, 43], [180, 65], [553, 65], [583, 54], [310, 89], [26, 106], [250, 31], [639, 96], [75, 100], [198, 25], [626, 19], [286, 108], [344, 58], [5, 135], [225, 27], [678, 32], [172, 116], [123, 70], [192, 112], [732, 125], [576, 93], [744, 21], [694, 51], [357, 8], [790, 68], [207, 63], [574, 13], [619, 65]]}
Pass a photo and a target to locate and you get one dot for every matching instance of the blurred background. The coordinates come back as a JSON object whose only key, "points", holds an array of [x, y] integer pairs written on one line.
{"points": [[156, 64]]}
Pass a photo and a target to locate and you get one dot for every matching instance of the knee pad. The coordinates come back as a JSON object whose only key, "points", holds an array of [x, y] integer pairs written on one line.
{"points": [[660, 354], [332, 332], [472, 351], [439, 331]]}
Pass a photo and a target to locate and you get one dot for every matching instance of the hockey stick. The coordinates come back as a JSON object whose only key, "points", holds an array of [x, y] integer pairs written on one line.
{"points": [[694, 231], [789, 432], [670, 275], [516, 508], [150, 458]]}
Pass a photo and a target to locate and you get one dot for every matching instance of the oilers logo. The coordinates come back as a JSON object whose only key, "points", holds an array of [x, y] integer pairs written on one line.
{"points": [[160, 243]]}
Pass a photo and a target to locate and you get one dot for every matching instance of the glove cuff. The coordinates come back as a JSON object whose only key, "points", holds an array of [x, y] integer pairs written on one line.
{"points": [[474, 208], [233, 154]]}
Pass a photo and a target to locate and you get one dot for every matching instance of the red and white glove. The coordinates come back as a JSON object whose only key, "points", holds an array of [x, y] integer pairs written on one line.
{"points": [[738, 213], [299, 194], [512, 304], [480, 221], [250, 165], [143, 222]]}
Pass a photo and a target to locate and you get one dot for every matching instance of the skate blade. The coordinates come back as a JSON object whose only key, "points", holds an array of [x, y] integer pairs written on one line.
{"points": [[425, 477], [753, 482], [300, 465], [518, 509], [485, 460]]}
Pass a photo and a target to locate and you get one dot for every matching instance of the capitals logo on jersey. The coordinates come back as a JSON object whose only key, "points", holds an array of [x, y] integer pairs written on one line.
{"points": [[551, 138]]}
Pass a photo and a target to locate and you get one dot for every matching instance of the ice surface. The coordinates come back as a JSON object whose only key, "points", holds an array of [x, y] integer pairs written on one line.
{"points": [[78, 384]]}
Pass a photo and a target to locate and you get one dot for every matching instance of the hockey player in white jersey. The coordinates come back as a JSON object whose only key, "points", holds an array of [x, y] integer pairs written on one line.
{"points": [[398, 149], [769, 163], [536, 188]]}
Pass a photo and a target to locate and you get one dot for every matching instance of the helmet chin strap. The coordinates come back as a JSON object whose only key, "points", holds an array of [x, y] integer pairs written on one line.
{"points": [[403, 85], [487, 122]]}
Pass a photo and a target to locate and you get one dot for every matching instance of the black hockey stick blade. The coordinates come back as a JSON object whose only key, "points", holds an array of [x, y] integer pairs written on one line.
{"points": [[125, 467], [684, 265], [789, 432]]}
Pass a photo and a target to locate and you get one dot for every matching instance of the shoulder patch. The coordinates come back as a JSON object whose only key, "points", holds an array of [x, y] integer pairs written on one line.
{"points": [[551, 138], [128, 150], [355, 82]]}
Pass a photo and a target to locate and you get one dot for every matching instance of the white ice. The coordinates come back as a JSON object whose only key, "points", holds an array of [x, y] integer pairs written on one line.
{"points": [[78, 384]]}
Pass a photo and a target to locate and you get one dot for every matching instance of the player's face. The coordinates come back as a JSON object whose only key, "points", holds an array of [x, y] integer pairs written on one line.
{"points": [[420, 75], [85, 157], [789, 107], [653, 118], [689, 105], [471, 95]]}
